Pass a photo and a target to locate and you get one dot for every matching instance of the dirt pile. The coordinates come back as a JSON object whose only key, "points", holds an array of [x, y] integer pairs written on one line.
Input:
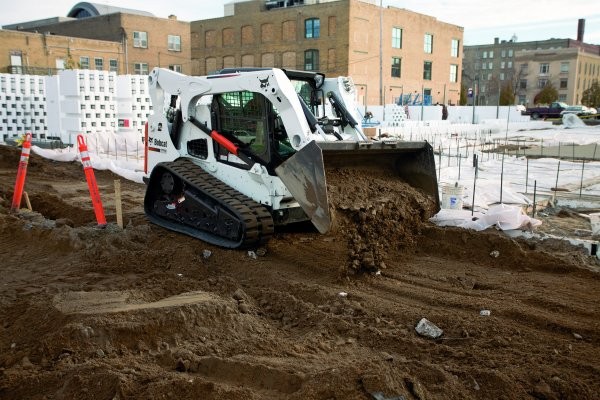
{"points": [[145, 313], [375, 212]]}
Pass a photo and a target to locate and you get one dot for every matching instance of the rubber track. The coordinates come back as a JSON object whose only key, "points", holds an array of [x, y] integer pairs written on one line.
{"points": [[256, 218]]}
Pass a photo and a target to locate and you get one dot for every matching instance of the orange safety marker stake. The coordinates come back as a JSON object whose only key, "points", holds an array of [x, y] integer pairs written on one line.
{"points": [[21, 173], [91, 181]]}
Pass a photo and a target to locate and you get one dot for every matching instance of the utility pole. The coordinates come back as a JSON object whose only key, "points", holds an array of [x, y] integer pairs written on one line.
{"points": [[381, 100]]}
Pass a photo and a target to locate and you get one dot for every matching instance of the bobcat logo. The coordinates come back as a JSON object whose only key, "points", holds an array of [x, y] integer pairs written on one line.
{"points": [[264, 83]]}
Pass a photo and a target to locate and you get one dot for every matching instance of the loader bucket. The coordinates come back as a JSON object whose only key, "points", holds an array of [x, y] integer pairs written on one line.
{"points": [[414, 162], [304, 176], [304, 173]]}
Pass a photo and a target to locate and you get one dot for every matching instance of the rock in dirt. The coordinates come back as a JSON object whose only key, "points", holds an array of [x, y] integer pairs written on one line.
{"points": [[238, 295], [428, 329]]}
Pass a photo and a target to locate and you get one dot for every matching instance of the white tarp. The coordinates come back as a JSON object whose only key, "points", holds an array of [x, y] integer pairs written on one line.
{"points": [[503, 217]]}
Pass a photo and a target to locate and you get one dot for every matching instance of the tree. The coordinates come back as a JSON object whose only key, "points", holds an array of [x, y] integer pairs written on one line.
{"points": [[507, 94], [547, 95], [463, 95], [69, 62], [591, 95]]}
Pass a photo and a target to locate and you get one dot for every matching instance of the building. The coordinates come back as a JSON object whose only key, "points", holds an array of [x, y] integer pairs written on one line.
{"points": [[571, 66], [30, 53], [145, 41], [417, 54]]}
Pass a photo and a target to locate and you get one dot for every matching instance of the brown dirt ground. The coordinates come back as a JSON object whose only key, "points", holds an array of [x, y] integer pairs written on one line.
{"points": [[141, 313]]}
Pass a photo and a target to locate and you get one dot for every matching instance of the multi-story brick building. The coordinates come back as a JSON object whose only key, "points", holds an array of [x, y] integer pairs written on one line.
{"points": [[44, 54], [570, 65], [145, 41], [388, 52]]}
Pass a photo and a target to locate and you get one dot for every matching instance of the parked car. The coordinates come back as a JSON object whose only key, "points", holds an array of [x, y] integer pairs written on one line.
{"points": [[578, 110], [552, 111]]}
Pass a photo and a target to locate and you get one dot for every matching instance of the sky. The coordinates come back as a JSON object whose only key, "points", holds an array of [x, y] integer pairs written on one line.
{"points": [[483, 20]]}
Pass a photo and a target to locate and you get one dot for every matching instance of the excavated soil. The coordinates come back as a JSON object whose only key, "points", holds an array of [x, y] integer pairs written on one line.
{"points": [[145, 313]]}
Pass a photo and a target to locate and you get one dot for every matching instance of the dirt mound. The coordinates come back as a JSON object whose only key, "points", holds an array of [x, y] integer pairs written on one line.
{"points": [[145, 313], [375, 212]]}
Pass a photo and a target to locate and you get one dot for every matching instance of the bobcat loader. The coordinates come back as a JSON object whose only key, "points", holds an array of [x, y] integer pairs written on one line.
{"points": [[232, 155]]}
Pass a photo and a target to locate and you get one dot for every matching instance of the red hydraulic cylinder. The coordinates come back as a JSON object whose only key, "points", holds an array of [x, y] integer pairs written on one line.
{"points": [[91, 180], [21, 173]]}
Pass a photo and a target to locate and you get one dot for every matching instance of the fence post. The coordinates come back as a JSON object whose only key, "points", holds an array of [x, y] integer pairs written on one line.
{"points": [[526, 174], [502, 176], [581, 181]]}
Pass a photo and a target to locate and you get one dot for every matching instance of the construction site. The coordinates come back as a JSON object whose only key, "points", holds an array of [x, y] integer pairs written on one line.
{"points": [[142, 312]]}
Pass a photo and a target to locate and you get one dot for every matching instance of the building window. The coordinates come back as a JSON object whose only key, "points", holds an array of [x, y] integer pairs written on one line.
{"points": [[140, 39], [509, 64], [564, 83], [564, 67], [140, 68], [502, 64], [396, 67], [510, 52], [311, 60], [562, 97], [523, 84], [491, 53], [501, 76], [454, 47], [484, 54], [113, 65], [453, 73], [174, 42], [397, 38], [84, 62], [522, 99], [428, 43], [503, 54], [427, 70], [542, 83], [99, 64], [544, 69], [483, 65], [175, 67], [490, 65], [312, 28]]}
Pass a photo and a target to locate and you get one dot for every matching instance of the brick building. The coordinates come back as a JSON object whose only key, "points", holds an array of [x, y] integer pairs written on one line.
{"points": [[145, 41], [42, 54], [570, 65], [419, 54]]}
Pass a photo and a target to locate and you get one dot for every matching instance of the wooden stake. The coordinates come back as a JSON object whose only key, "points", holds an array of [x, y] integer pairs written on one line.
{"points": [[27, 201], [118, 203]]}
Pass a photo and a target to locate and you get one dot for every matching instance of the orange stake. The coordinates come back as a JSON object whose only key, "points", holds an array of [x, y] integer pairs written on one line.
{"points": [[91, 180], [21, 173]]}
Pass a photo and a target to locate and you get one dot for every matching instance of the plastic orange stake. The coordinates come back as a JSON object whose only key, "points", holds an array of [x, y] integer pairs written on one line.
{"points": [[91, 180], [21, 173]]}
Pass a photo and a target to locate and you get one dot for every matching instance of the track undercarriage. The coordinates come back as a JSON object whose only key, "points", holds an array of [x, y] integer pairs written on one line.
{"points": [[183, 197]]}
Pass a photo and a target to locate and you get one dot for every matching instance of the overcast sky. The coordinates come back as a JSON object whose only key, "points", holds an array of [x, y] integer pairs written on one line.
{"points": [[483, 20]]}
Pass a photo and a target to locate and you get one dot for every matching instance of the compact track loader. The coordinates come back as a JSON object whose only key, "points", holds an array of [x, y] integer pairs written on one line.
{"points": [[231, 156]]}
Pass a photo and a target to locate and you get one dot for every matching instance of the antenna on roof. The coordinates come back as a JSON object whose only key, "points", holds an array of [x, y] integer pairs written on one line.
{"points": [[514, 38]]}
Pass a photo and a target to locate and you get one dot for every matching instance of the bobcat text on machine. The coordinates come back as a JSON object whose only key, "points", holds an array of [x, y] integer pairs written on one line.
{"points": [[233, 155]]}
